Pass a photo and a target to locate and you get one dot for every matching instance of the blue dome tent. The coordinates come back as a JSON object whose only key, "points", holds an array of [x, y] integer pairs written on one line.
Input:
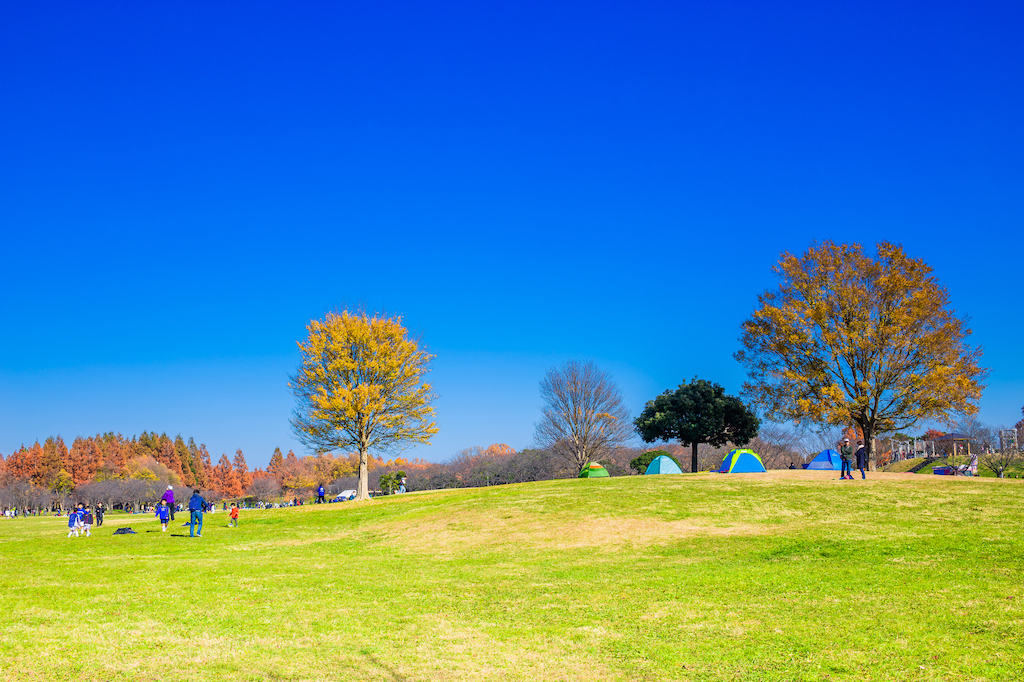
{"points": [[662, 465], [826, 460], [742, 462]]}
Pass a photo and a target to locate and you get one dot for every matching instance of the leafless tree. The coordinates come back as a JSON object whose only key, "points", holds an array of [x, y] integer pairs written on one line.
{"points": [[24, 495], [825, 438], [265, 489], [583, 415], [999, 460], [778, 446], [995, 459]]}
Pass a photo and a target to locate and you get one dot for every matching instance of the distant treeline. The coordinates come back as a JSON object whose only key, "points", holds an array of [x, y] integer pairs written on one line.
{"points": [[128, 470], [134, 471]]}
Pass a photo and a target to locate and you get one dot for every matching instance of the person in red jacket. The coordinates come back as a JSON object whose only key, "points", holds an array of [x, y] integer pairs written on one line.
{"points": [[233, 520]]}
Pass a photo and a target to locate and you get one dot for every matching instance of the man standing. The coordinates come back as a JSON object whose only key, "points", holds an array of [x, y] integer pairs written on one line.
{"points": [[196, 505], [100, 510], [862, 459], [845, 453], [320, 494], [169, 499]]}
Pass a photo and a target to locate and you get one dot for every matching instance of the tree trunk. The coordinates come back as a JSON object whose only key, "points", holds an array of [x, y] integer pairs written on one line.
{"points": [[869, 440], [693, 461], [362, 490]]}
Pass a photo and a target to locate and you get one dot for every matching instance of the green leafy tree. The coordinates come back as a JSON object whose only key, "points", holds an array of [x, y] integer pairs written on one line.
{"points": [[63, 483], [389, 483], [695, 413]]}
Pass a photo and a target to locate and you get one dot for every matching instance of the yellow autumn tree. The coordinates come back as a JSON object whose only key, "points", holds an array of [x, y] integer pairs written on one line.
{"points": [[851, 339], [361, 386]]}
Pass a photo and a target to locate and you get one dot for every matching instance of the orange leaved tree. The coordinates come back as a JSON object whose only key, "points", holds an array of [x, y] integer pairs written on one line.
{"points": [[850, 338]]}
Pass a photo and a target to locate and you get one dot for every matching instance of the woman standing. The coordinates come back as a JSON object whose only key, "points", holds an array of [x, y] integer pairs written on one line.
{"points": [[862, 458], [169, 499]]}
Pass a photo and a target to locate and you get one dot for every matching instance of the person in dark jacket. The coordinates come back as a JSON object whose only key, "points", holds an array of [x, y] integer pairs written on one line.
{"points": [[320, 494], [86, 515], [862, 459], [845, 453], [169, 499], [100, 510], [196, 506]]}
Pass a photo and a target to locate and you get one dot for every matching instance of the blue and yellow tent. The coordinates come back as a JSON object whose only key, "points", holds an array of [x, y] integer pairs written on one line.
{"points": [[826, 460], [742, 462], [662, 465]]}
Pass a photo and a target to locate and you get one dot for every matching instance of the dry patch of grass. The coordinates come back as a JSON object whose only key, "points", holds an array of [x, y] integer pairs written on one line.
{"points": [[476, 530]]}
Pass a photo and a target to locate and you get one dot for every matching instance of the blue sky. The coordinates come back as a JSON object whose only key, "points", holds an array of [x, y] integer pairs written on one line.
{"points": [[183, 188]]}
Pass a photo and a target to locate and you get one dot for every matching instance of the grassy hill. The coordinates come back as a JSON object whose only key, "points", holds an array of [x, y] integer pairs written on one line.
{"points": [[786, 575]]}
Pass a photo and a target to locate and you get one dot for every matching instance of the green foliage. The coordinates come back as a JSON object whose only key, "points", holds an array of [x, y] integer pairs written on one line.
{"points": [[697, 412], [639, 464], [63, 483], [389, 483]]}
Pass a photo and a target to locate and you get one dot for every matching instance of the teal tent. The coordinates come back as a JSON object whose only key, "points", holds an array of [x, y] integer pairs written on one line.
{"points": [[742, 462], [663, 465]]}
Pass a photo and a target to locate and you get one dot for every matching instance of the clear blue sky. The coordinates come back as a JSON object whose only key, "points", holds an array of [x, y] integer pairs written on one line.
{"points": [[183, 187]]}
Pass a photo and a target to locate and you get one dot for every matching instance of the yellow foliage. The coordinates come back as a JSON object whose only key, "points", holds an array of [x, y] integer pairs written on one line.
{"points": [[848, 338], [360, 386]]}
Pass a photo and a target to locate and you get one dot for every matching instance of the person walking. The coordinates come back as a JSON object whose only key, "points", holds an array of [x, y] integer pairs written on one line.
{"points": [[196, 506], [86, 516], [845, 453], [233, 520], [862, 459], [74, 522], [169, 499], [100, 510], [163, 514]]}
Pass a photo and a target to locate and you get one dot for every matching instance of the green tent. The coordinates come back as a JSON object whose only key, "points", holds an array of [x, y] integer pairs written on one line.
{"points": [[595, 470]]}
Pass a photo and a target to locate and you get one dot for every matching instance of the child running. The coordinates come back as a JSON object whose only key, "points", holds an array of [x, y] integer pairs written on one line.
{"points": [[163, 512], [233, 521], [86, 516], [73, 523]]}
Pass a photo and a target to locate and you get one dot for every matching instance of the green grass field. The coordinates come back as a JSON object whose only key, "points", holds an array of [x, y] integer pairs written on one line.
{"points": [[780, 576]]}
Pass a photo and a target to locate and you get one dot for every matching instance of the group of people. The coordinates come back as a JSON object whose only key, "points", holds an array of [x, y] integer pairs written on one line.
{"points": [[81, 519], [197, 505], [845, 453]]}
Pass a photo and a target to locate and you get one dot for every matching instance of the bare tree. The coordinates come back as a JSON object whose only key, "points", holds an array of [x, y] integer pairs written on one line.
{"points": [[778, 446], [583, 415], [999, 460], [992, 453], [265, 489]]}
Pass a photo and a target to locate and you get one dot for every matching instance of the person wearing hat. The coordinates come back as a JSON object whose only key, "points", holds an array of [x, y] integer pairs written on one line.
{"points": [[169, 499], [845, 453]]}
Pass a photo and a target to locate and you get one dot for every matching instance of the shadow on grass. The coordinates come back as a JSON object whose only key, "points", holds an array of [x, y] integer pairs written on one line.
{"points": [[390, 671]]}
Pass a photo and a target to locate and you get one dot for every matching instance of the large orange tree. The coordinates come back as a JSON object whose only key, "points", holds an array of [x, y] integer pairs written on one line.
{"points": [[361, 386], [851, 338]]}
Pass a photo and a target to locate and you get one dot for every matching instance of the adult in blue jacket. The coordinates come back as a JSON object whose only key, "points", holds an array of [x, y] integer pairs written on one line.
{"points": [[320, 494], [196, 505]]}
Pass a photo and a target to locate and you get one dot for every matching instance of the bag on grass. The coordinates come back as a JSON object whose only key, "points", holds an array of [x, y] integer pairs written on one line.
{"points": [[125, 531]]}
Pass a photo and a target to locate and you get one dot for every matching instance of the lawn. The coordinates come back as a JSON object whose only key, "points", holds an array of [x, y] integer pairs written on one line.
{"points": [[789, 575]]}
